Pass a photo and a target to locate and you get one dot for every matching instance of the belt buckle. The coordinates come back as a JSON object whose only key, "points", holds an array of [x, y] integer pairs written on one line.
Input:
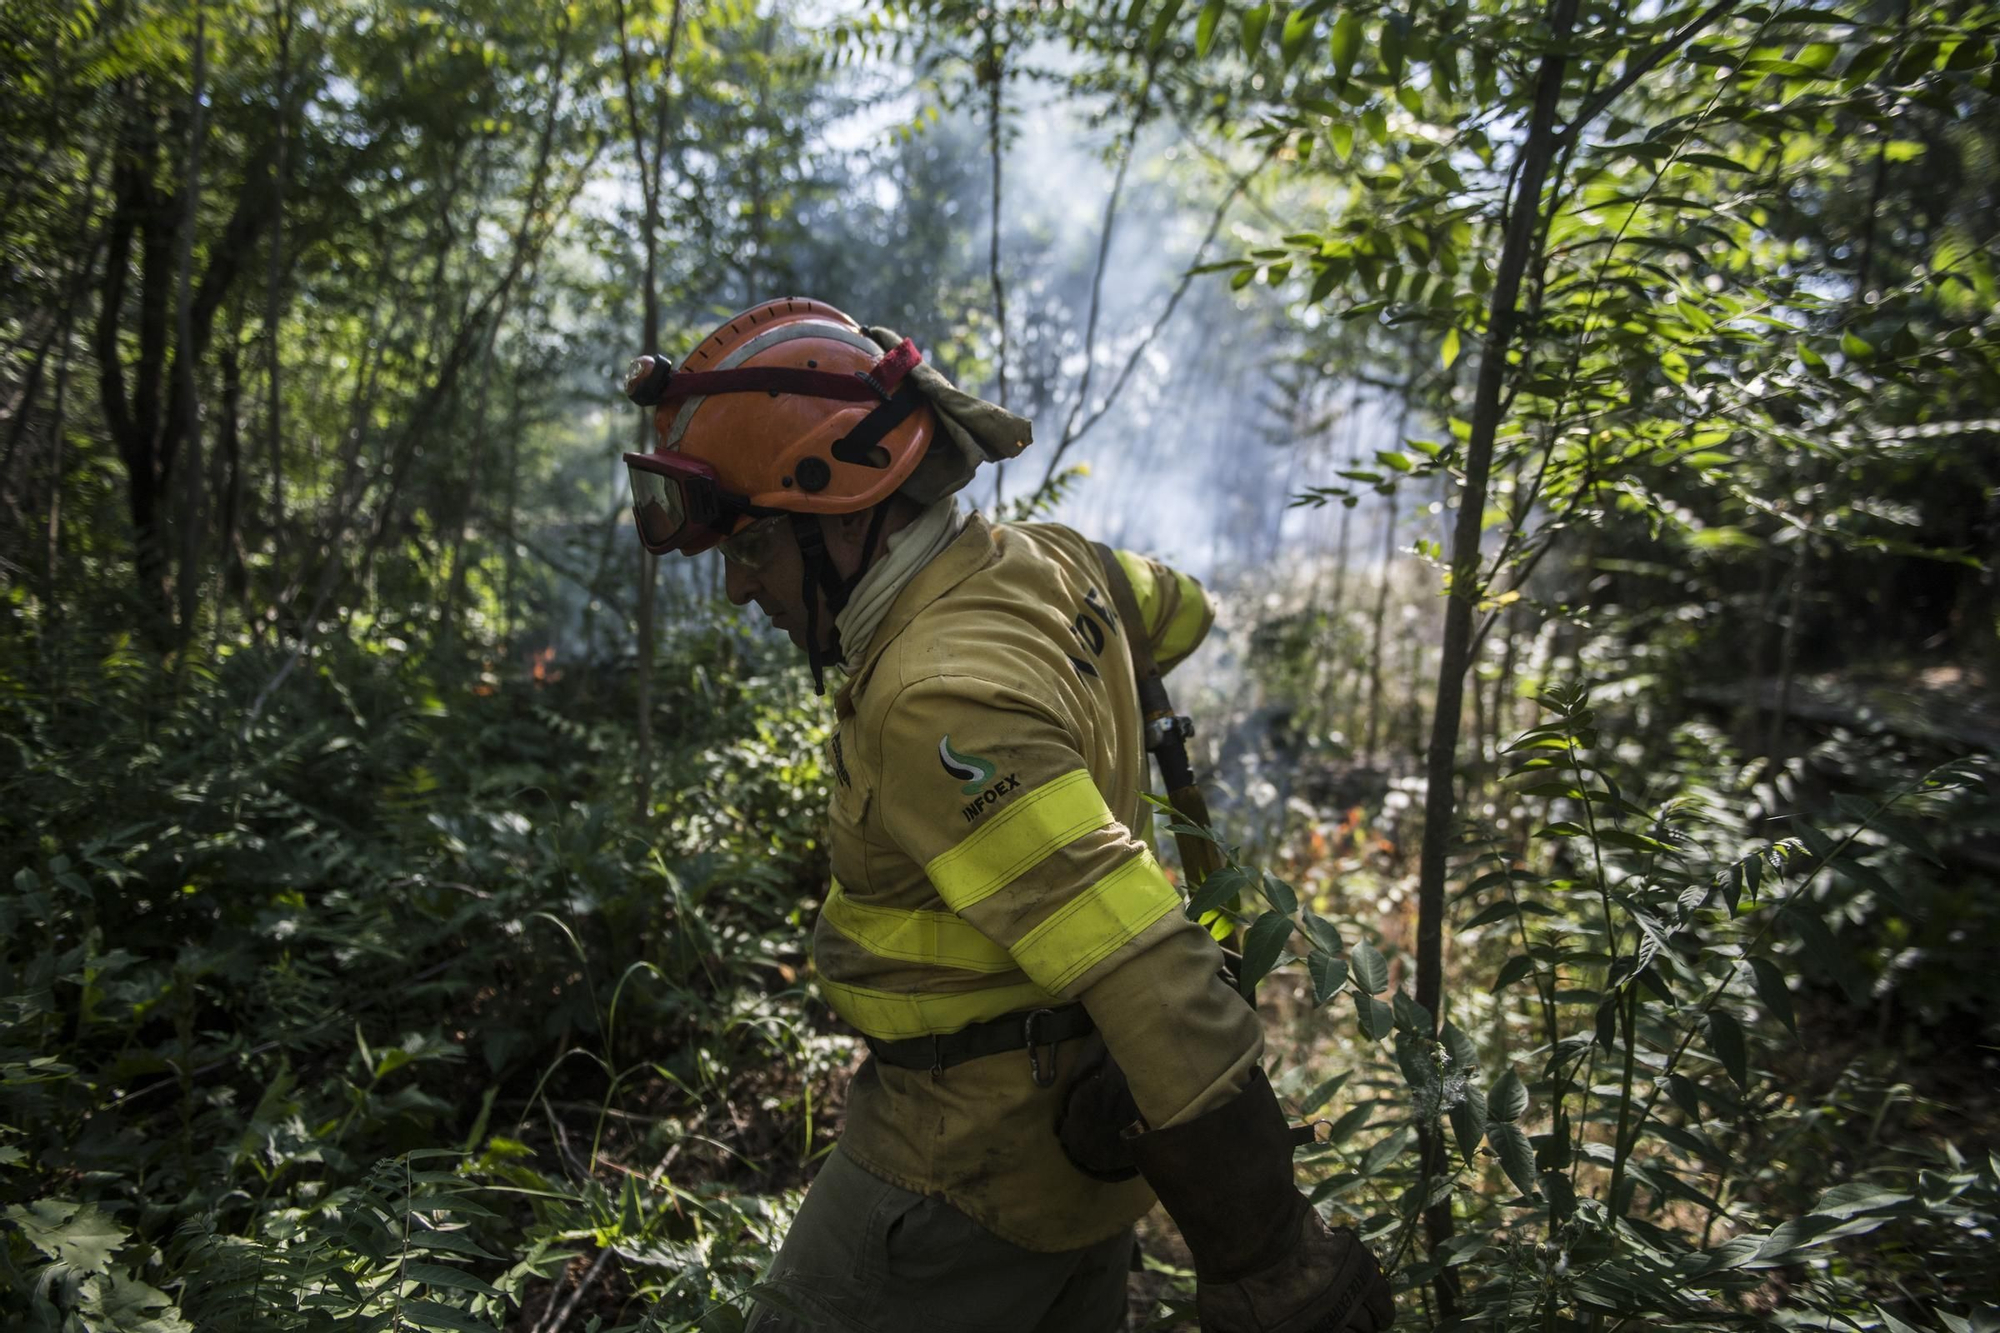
{"points": [[1044, 1078]]}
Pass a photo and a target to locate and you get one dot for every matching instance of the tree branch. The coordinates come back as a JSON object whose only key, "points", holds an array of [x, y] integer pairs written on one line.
{"points": [[1643, 66]]}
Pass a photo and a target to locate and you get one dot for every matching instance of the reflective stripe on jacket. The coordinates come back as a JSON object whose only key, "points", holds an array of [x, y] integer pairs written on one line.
{"points": [[987, 765]]}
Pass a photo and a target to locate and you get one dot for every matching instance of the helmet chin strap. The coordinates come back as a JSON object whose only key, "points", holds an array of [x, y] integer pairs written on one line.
{"points": [[818, 575]]}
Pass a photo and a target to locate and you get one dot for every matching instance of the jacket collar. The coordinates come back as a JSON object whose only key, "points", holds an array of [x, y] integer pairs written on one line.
{"points": [[968, 553]]}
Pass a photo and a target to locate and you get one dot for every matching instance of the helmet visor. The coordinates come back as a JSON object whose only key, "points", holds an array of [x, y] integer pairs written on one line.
{"points": [[677, 505], [658, 508]]}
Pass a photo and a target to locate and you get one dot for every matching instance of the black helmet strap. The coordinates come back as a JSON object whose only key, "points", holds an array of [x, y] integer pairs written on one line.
{"points": [[817, 575]]}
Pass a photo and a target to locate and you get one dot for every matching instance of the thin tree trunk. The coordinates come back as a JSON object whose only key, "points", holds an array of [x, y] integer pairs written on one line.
{"points": [[274, 429], [1760, 634], [512, 555], [994, 68], [51, 608], [1537, 150], [1503, 688], [235, 579], [1788, 645], [1375, 632], [468, 482], [185, 353], [650, 176]]}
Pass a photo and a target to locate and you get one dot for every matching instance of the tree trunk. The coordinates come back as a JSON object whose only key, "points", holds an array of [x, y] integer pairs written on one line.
{"points": [[235, 579], [273, 280], [1375, 632], [1537, 150], [650, 174], [1789, 643], [186, 401]]}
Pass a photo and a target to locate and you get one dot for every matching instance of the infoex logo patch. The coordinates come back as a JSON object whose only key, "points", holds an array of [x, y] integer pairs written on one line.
{"points": [[969, 769]]}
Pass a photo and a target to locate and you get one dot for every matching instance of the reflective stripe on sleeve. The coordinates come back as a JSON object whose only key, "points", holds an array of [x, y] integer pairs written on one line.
{"points": [[892, 1015], [1098, 922], [914, 936], [1018, 839]]}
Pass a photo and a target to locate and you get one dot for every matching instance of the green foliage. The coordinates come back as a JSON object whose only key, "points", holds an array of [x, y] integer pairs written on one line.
{"points": [[358, 968], [333, 937]]}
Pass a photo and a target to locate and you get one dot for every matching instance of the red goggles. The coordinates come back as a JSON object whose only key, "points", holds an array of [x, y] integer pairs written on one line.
{"points": [[677, 504]]}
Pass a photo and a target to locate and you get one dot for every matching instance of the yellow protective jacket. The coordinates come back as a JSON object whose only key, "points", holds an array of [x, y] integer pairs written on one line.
{"points": [[990, 857]]}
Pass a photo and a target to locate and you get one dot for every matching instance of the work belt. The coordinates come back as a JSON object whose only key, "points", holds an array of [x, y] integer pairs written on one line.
{"points": [[1037, 1031]]}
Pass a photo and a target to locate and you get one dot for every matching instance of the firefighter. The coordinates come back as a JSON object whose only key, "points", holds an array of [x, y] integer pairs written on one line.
{"points": [[1053, 1042]]}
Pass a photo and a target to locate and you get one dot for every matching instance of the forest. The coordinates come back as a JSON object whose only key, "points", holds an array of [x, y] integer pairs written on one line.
{"points": [[1585, 417]]}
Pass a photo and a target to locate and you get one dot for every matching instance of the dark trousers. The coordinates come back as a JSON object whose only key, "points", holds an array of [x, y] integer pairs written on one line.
{"points": [[867, 1256]]}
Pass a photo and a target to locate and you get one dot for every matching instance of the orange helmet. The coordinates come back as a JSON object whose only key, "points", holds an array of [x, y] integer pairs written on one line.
{"points": [[787, 408]]}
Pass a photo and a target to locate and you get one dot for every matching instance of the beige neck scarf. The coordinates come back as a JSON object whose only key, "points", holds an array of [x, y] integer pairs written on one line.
{"points": [[908, 551]]}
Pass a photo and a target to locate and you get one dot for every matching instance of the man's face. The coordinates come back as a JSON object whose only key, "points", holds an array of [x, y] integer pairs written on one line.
{"points": [[774, 581]]}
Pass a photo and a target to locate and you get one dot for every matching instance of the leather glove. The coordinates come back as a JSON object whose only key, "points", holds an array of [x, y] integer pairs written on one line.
{"points": [[1096, 1113], [1264, 1262]]}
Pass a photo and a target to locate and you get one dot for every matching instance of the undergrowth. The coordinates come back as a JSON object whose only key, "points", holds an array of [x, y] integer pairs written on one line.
{"points": [[381, 1010]]}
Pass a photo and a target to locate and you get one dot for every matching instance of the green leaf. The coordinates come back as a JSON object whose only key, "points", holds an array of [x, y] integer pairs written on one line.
{"points": [[1204, 28], [1328, 974], [1686, 1095], [1510, 1144], [1395, 41], [1323, 933], [1464, 1056], [1856, 346], [1826, 950], [444, 1275], [1341, 135], [1324, 1093], [1352, 1121], [1448, 353], [1377, 1019], [1772, 990], [1162, 22], [429, 1314], [1386, 1151], [1254, 22], [1509, 1097], [1344, 47], [1468, 1121], [1261, 949], [78, 1234], [1492, 912], [1857, 1197], [1371, 969], [114, 1303], [1280, 894], [1218, 890], [1725, 1039], [1292, 37]]}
